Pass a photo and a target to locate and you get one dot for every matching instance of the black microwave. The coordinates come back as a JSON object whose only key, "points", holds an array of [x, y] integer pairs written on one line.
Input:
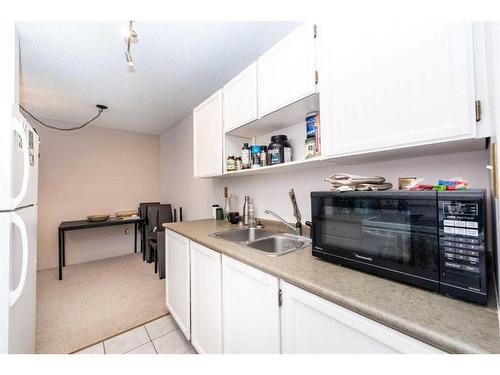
{"points": [[431, 239]]}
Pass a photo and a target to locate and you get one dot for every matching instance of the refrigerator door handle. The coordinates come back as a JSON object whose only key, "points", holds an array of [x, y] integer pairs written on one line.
{"points": [[26, 163], [16, 293]]}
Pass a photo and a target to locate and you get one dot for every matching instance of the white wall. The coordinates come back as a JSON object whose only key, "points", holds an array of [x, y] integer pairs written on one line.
{"points": [[95, 170], [178, 187], [270, 191]]}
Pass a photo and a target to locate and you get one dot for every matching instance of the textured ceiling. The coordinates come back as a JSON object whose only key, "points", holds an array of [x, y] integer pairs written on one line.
{"points": [[68, 68]]}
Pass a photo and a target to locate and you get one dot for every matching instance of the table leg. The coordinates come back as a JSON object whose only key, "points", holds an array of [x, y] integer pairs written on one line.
{"points": [[156, 257], [135, 239], [143, 243], [63, 236], [60, 254]]}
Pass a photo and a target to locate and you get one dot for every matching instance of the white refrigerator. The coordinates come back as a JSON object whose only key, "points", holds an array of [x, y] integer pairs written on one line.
{"points": [[18, 231]]}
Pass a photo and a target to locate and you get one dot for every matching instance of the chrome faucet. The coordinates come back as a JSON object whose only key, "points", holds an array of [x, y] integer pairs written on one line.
{"points": [[298, 225]]}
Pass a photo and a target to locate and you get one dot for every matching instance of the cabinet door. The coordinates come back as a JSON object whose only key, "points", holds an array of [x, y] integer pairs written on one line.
{"points": [[177, 280], [286, 73], [240, 98], [250, 311], [387, 85], [310, 324], [206, 300], [207, 137]]}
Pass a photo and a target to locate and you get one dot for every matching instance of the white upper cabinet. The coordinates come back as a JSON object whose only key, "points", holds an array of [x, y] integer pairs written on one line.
{"points": [[240, 98], [388, 85], [287, 72], [250, 310], [207, 137], [313, 325]]}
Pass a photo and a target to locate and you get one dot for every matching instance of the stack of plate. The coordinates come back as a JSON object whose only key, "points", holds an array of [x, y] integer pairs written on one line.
{"points": [[95, 218]]}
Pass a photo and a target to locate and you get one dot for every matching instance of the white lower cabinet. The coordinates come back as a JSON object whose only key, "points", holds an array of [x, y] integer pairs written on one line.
{"points": [[225, 306], [310, 324], [250, 310], [177, 280], [206, 299]]}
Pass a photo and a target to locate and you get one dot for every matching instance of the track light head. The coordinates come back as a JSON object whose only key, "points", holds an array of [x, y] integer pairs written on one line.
{"points": [[128, 56], [101, 106]]}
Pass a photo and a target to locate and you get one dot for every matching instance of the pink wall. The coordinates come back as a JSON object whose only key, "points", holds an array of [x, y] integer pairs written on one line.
{"points": [[93, 171]]}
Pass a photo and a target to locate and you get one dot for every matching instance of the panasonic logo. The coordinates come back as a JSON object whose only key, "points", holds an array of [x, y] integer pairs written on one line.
{"points": [[362, 257]]}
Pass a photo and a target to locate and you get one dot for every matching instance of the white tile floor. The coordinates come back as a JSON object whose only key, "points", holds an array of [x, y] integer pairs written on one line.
{"points": [[161, 336]]}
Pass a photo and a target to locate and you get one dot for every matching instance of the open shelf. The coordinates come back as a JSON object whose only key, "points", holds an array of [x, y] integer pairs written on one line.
{"points": [[316, 162], [290, 115]]}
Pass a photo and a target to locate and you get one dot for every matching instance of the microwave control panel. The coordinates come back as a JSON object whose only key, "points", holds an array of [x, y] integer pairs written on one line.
{"points": [[462, 244]]}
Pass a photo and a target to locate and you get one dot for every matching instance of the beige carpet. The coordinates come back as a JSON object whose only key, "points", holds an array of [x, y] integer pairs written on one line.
{"points": [[94, 301]]}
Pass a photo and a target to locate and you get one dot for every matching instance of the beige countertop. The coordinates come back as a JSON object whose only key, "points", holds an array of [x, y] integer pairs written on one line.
{"points": [[449, 324]]}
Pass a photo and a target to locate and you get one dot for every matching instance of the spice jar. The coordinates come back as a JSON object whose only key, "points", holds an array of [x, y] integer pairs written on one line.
{"points": [[239, 163], [230, 164]]}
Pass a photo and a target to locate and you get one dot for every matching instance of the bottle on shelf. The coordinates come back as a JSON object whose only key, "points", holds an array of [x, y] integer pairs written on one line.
{"points": [[245, 156]]}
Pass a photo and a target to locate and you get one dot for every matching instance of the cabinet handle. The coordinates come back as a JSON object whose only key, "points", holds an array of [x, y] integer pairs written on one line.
{"points": [[478, 110]]}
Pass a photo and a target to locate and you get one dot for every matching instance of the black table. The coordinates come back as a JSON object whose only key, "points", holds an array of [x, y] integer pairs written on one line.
{"points": [[85, 224]]}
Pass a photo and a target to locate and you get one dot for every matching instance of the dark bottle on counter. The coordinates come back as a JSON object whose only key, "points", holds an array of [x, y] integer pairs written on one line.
{"points": [[279, 150]]}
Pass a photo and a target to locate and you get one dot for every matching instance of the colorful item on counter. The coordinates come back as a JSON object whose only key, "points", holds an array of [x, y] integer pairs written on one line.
{"points": [[420, 187], [456, 183], [405, 182]]}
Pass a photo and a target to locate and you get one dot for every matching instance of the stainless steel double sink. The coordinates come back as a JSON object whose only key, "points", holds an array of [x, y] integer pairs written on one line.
{"points": [[270, 242]]}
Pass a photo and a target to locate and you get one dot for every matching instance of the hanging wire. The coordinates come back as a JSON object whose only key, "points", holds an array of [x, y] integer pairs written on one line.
{"points": [[100, 108]]}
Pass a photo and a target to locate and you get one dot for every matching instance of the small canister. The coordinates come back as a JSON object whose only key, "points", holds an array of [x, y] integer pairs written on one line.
{"points": [[219, 214], [263, 156], [214, 210], [230, 164], [256, 149], [310, 148], [239, 163]]}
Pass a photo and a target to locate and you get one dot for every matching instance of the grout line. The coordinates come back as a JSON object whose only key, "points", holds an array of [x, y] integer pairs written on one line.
{"points": [[118, 334], [144, 343], [150, 342]]}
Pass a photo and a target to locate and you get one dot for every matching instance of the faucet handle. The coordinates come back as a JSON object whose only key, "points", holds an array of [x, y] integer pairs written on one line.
{"points": [[296, 211]]}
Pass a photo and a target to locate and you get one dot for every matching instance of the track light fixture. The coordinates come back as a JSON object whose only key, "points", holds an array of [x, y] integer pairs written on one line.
{"points": [[132, 34]]}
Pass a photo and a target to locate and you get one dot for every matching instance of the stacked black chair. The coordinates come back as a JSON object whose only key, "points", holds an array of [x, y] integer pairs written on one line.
{"points": [[155, 249], [143, 229]]}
